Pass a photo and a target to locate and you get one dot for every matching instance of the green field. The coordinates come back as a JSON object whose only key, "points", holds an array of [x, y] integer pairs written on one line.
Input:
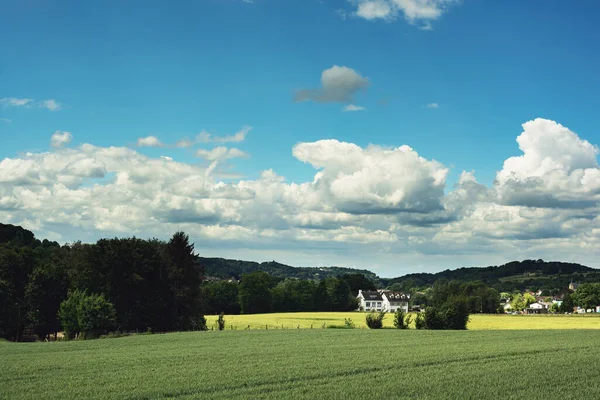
{"points": [[477, 322], [309, 364]]}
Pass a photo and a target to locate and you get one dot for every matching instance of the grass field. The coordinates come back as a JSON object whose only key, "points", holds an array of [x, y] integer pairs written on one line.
{"points": [[308, 364], [477, 322]]}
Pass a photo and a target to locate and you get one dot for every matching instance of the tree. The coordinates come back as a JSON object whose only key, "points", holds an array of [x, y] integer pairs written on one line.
{"points": [[88, 315], [340, 296], [95, 316], [402, 320], [220, 296], [517, 303], [567, 304], [358, 282], [322, 299], [587, 295], [46, 289], [69, 314], [185, 278], [528, 299], [254, 295]]}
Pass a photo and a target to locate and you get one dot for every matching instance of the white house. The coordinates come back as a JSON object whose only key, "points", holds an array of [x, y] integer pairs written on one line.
{"points": [[382, 300], [537, 308]]}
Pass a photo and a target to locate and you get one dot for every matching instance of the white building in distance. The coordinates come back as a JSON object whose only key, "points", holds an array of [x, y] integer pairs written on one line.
{"points": [[382, 300]]}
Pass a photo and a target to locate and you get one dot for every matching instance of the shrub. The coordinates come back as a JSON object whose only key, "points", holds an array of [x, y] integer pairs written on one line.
{"points": [[68, 314], [433, 319], [349, 324], [375, 320], [89, 315], [420, 321], [221, 322], [402, 320], [95, 315], [453, 314]]}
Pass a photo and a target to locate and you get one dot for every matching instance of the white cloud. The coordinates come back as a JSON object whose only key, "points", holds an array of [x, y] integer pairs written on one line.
{"points": [[352, 107], [374, 9], [414, 11], [205, 137], [433, 105], [7, 120], [149, 141], [15, 102], [60, 139], [369, 203], [339, 84], [220, 153], [51, 105]]}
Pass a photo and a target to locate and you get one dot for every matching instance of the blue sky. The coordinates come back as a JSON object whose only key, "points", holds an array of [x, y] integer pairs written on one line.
{"points": [[454, 80]]}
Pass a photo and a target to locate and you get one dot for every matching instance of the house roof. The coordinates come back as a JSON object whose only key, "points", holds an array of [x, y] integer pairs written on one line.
{"points": [[370, 296], [397, 296]]}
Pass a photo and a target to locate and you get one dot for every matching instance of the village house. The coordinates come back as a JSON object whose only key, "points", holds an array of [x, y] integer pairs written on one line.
{"points": [[382, 300], [537, 308]]}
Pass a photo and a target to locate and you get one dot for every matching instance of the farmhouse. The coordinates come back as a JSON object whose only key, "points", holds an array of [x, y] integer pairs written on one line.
{"points": [[382, 300]]}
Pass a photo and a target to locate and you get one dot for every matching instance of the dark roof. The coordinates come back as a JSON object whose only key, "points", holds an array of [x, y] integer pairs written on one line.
{"points": [[370, 296], [397, 296]]}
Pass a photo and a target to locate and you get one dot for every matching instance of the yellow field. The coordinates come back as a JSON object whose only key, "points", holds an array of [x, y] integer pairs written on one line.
{"points": [[305, 320]]}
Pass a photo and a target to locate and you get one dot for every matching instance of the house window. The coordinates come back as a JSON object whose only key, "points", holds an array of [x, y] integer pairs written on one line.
{"points": [[368, 304], [378, 304]]}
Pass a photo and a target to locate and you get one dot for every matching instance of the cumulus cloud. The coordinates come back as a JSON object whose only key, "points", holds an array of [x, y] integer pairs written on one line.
{"points": [[339, 84], [557, 169], [149, 141], [60, 139], [413, 11], [387, 202], [433, 105]]}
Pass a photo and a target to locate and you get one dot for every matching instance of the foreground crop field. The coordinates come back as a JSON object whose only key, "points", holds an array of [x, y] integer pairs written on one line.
{"points": [[310, 364], [478, 322]]}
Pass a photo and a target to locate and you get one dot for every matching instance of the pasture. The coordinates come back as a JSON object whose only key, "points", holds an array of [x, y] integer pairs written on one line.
{"points": [[308, 364], [477, 322]]}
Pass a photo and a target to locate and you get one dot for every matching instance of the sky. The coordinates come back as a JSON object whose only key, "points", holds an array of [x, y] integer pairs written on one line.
{"points": [[397, 136]]}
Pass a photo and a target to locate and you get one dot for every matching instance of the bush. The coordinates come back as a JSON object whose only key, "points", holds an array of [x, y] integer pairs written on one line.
{"points": [[420, 321], [453, 314], [89, 315], [95, 315], [68, 314], [221, 322], [349, 324], [402, 320], [433, 319], [375, 320]]}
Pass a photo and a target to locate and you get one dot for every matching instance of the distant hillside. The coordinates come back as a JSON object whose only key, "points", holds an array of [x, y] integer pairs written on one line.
{"points": [[515, 275], [223, 268]]}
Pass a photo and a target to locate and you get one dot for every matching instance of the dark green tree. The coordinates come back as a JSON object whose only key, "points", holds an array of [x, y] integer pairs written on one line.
{"points": [[254, 293], [46, 289], [220, 296]]}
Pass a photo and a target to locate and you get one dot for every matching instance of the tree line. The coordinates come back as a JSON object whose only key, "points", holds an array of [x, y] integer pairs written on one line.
{"points": [[135, 285]]}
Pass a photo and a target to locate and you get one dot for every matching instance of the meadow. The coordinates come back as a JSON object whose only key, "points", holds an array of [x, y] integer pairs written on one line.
{"points": [[308, 364], [477, 321]]}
